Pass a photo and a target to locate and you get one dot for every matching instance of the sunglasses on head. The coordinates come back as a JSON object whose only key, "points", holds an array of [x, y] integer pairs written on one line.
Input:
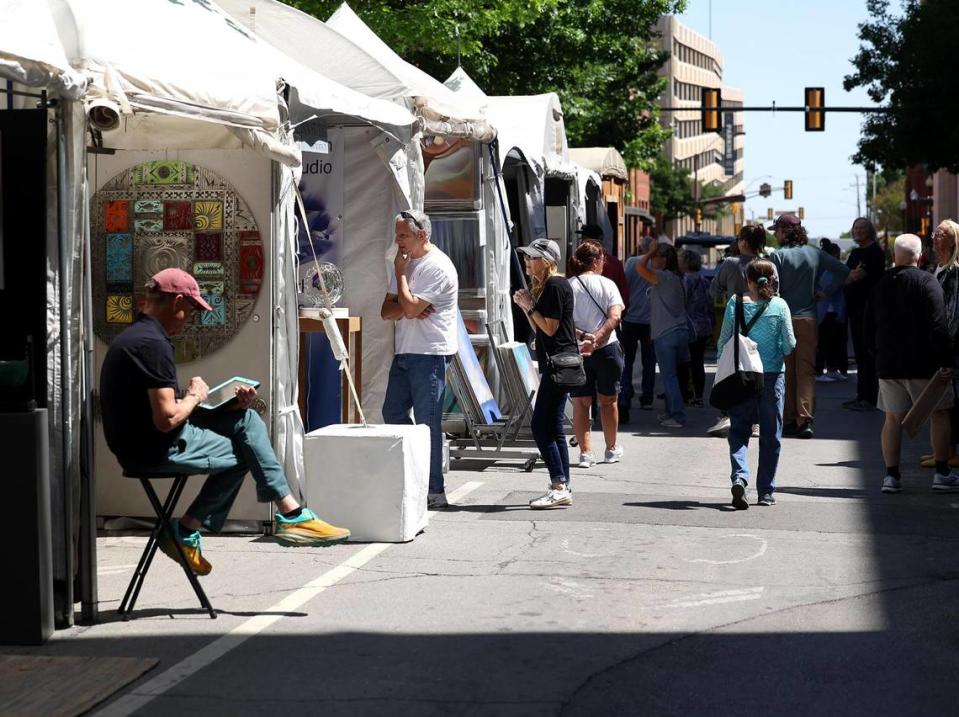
{"points": [[409, 215]]}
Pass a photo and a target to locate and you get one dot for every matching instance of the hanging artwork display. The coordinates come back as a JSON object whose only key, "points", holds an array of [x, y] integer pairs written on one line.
{"points": [[169, 213]]}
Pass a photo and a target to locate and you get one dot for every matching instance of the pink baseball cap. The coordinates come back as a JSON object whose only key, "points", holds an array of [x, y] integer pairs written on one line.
{"points": [[177, 281]]}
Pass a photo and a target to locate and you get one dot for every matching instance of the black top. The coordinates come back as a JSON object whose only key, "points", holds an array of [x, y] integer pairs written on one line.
{"points": [[905, 325], [140, 358], [873, 260], [556, 302]]}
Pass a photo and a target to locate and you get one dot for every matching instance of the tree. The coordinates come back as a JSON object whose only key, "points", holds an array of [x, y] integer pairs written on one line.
{"points": [[906, 62], [886, 206], [600, 56], [670, 190]]}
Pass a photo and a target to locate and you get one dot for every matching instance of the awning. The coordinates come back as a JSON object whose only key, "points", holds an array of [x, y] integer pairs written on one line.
{"points": [[645, 216], [605, 161]]}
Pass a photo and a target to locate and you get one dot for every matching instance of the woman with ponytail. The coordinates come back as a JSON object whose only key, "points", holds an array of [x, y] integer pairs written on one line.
{"points": [[773, 333]]}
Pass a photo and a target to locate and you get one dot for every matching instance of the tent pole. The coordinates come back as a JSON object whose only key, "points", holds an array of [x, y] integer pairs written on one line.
{"points": [[517, 264]]}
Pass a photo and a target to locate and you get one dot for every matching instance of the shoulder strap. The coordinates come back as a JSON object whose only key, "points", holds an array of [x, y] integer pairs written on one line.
{"points": [[752, 322], [602, 311]]}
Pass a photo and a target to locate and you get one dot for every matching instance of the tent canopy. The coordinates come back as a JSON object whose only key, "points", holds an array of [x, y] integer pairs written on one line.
{"points": [[533, 124], [31, 50], [605, 161]]}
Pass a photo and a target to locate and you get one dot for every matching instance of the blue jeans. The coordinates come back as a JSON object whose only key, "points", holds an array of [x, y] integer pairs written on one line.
{"points": [[226, 445], [671, 350], [547, 428], [768, 410], [417, 381], [637, 336]]}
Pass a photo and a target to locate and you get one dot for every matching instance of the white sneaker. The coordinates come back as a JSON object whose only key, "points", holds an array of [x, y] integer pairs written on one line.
{"points": [[825, 378], [755, 431], [436, 501], [662, 417], [839, 376], [891, 484], [614, 455], [586, 460], [554, 498], [670, 423], [945, 483], [719, 428]]}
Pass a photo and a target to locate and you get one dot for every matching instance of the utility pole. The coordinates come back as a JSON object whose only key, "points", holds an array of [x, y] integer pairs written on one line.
{"points": [[858, 196], [875, 217]]}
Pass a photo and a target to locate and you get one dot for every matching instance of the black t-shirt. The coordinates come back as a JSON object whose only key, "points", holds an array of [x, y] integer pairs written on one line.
{"points": [[556, 302], [140, 358], [873, 260]]}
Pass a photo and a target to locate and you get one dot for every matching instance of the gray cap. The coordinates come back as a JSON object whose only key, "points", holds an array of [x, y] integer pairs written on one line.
{"points": [[542, 249]]}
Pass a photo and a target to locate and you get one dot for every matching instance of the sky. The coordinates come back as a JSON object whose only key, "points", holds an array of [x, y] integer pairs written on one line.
{"points": [[772, 49]]}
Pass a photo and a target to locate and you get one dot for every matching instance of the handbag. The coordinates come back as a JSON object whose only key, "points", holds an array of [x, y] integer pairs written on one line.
{"points": [[567, 370], [739, 374]]}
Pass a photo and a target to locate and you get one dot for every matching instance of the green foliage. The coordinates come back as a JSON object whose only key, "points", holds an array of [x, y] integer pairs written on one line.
{"points": [[708, 191], [888, 197], [670, 190], [907, 62], [600, 56]]}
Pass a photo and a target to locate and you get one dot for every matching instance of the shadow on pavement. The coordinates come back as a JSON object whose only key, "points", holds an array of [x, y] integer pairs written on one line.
{"points": [[683, 505]]}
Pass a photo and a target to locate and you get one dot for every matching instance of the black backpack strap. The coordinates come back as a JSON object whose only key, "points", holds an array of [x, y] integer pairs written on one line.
{"points": [[752, 322]]}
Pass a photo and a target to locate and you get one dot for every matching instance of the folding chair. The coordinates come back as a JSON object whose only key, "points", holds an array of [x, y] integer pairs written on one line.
{"points": [[164, 514]]}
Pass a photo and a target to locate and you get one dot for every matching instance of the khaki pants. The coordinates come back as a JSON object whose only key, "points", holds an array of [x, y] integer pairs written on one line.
{"points": [[801, 373]]}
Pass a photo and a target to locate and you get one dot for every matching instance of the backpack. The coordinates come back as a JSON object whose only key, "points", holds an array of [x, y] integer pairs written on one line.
{"points": [[739, 373]]}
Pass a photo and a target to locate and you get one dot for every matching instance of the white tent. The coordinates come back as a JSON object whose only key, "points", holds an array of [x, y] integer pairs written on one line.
{"points": [[345, 49], [215, 96]]}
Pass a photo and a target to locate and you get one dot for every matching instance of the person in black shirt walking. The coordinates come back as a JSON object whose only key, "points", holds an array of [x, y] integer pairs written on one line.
{"points": [[867, 263], [549, 309]]}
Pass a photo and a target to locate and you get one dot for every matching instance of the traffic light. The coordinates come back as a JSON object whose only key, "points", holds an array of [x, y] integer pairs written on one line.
{"points": [[765, 189], [788, 189], [801, 214], [699, 216], [815, 114], [711, 111], [770, 215]]}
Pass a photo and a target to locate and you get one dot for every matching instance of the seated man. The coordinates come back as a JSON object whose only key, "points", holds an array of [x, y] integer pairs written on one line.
{"points": [[149, 429]]}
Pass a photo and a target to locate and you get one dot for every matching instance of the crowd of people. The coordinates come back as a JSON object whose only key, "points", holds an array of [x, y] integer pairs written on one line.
{"points": [[798, 306]]}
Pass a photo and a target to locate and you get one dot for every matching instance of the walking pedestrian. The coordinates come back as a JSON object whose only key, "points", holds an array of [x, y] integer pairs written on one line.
{"points": [[832, 360], [945, 249], [637, 337], [907, 330], [660, 267], [597, 310], [800, 269], [770, 326], [730, 279], [699, 313], [867, 263], [548, 304]]}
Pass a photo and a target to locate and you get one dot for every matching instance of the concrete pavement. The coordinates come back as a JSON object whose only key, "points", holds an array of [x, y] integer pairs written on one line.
{"points": [[649, 596]]}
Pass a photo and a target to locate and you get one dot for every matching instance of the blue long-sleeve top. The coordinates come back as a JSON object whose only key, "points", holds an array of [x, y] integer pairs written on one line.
{"points": [[773, 331]]}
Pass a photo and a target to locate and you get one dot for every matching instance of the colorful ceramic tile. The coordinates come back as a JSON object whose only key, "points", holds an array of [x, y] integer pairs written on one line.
{"points": [[177, 216], [217, 317], [208, 246], [208, 215], [148, 206], [148, 226], [119, 309], [116, 216], [163, 171], [211, 287], [251, 267], [119, 258], [157, 252], [207, 270]]}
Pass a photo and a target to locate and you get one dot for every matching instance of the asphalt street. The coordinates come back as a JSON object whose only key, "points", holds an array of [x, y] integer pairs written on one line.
{"points": [[650, 596]]}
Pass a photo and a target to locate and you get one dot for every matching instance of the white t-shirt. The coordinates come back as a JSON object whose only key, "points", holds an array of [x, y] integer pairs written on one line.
{"points": [[432, 278], [586, 314]]}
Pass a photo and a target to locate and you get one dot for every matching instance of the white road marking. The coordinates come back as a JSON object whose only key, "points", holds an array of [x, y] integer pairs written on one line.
{"points": [[758, 554], [719, 598], [165, 681], [464, 490], [114, 569]]}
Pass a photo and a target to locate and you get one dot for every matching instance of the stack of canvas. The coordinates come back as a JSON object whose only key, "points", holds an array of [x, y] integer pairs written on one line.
{"points": [[520, 373]]}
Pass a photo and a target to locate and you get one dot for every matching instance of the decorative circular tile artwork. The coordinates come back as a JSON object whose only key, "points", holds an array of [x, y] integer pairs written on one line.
{"points": [[168, 213]]}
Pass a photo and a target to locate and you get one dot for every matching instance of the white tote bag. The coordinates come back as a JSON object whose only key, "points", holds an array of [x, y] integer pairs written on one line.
{"points": [[739, 374]]}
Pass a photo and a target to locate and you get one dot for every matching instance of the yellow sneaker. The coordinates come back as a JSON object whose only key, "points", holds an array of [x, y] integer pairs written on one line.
{"points": [[307, 529], [191, 548]]}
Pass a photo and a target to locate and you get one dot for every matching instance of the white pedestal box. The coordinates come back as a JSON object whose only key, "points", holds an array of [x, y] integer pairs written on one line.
{"points": [[370, 479]]}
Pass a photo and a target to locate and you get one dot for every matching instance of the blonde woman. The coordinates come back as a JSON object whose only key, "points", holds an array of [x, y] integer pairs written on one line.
{"points": [[549, 309], [945, 249]]}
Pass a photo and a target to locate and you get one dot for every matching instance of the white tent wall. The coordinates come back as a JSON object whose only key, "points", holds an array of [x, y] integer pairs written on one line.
{"points": [[248, 353]]}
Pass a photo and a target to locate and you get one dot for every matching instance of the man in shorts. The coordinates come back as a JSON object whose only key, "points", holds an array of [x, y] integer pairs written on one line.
{"points": [[906, 330]]}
